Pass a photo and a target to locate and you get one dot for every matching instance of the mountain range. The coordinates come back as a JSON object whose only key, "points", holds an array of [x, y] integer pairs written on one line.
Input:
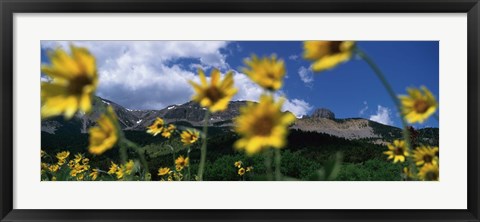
{"points": [[320, 121]]}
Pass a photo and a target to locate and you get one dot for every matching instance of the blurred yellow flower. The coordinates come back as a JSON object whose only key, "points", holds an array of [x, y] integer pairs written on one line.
{"points": [[178, 168], [156, 127], [61, 162], [104, 136], [53, 168], [73, 83], [129, 166], [268, 72], [429, 172], [94, 174], [250, 168], [71, 164], [425, 155], [78, 158], [163, 171], [397, 151], [418, 105], [181, 162], [327, 54], [189, 136], [262, 125], [63, 155], [238, 164], [218, 94], [54, 178], [120, 172], [241, 171], [408, 173], [113, 168], [168, 131], [80, 176]]}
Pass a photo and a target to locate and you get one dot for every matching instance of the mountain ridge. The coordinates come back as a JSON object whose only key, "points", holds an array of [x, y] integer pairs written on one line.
{"points": [[322, 120]]}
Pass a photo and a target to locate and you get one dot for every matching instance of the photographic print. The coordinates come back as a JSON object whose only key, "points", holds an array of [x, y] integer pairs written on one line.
{"points": [[310, 110]]}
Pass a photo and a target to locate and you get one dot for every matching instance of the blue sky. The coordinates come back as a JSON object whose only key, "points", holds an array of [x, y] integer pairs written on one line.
{"points": [[152, 75]]}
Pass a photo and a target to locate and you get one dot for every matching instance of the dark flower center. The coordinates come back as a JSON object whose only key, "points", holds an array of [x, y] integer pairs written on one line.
{"points": [[78, 83], [264, 126], [427, 158], [214, 94], [398, 151], [431, 175], [421, 106], [159, 126], [335, 47]]}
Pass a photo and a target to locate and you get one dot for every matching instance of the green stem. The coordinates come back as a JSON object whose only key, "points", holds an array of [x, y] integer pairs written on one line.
{"points": [[188, 156], [173, 155], [140, 153], [393, 96], [123, 153], [203, 149], [278, 161], [268, 164]]}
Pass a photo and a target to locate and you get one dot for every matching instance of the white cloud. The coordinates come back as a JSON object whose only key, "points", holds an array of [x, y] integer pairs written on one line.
{"points": [[144, 74], [248, 90], [364, 109], [382, 116], [137, 73], [297, 106], [293, 57], [306, 74]]}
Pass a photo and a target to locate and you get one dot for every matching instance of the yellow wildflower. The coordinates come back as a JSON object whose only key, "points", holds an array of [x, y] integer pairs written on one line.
{"points": [[262, 125], [397, 151], [61, 162], [53, 168], [113, 168], [218, 94], [178, 168], [425, 155], [94, 174], [189, 136], [238, 164], [327, 54], [80, 176], [74, 80], [241, 171], [63, 155], [429, 172], [250, 168], [129, 166], [120, 172], [182, 162], [104, 136], [407, 173], [78, 158], [266, 72], [71, 163], [163, 171], [418, 106], [167, 132], [156, 127]]}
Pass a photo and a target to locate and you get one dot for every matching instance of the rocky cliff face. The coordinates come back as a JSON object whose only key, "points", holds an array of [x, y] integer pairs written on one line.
{"points": [[323, 113], [139, 119], [321, 120]]}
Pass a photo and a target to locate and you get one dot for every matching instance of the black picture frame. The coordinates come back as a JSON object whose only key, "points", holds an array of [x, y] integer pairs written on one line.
{"points": [[9, 7]]}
